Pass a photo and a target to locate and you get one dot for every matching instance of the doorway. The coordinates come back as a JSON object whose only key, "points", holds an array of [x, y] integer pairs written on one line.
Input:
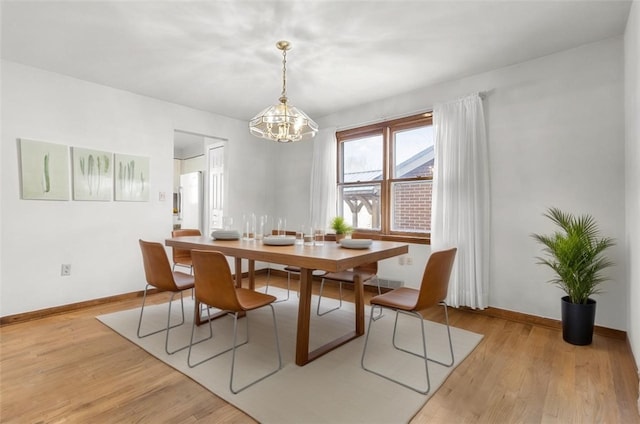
{"points": [[198, 180]]}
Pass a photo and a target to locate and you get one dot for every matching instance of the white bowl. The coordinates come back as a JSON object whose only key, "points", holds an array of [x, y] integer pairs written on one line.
{"points": [[356, 243], [225, 234], [278, 240]]}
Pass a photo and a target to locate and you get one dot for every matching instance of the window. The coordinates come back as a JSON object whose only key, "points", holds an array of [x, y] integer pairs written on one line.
{"points": [[384, 177]]}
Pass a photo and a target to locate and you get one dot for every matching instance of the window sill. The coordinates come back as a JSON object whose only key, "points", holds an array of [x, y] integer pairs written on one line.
{"points": [[387, 237]]}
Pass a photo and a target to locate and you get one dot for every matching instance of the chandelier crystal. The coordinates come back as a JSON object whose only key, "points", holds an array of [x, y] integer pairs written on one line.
{"points": [[283, 122]]}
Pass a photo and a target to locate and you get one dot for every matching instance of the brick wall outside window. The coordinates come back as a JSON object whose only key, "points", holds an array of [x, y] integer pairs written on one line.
{"points": [[412, 206]]}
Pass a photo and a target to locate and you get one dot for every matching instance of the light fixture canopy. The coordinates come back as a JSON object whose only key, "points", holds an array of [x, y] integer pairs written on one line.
{"points": [[283, 122]]}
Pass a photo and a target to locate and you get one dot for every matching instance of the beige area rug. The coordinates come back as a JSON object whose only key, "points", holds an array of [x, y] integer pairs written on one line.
{"points": [[331, 389]]}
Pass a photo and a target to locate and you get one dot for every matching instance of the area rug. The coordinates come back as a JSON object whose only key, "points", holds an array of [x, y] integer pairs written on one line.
{"points": [[331, 389]]}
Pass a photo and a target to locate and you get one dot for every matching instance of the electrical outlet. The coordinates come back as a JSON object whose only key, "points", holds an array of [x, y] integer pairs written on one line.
{"points": [[401, 260], [65, 270], [409, 260], [162, 196]]}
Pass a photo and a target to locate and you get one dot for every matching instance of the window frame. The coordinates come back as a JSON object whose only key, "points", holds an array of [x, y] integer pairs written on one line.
{"points": [[386, 129]]}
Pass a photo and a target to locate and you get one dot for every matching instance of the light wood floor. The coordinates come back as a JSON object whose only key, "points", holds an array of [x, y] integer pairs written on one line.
{"points": [[70, 368]]}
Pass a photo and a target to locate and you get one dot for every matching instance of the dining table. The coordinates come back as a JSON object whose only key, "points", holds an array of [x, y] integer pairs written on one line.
{"points": [[330, 256]]}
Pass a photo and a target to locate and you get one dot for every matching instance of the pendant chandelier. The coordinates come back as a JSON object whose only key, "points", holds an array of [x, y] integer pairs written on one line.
{"points": [[283, 122]]}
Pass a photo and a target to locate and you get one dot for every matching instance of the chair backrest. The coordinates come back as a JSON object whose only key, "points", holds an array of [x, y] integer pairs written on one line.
{"points": [[286, 233], [435, 280], [157, 269], [181, 254], [213, 281], [330, 237]]}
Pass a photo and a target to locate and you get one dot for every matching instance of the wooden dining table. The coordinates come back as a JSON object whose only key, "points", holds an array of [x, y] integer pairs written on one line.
{"points": [[328, 257]]}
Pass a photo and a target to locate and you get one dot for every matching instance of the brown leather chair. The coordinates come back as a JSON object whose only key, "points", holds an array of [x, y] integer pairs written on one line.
{"points": [[158, 274], [215, 288], [182, 257], [433, 291], [367, 272]]}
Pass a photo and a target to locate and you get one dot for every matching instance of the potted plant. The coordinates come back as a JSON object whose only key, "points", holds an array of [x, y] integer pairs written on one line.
{"points": [[575, 254], [340, 226]]}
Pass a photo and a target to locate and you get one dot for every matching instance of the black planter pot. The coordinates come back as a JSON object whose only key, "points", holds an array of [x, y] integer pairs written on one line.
{"points": [[577, 321]]}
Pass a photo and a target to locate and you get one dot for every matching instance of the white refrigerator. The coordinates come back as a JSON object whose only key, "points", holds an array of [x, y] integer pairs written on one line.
{"points": [[191, 195]]}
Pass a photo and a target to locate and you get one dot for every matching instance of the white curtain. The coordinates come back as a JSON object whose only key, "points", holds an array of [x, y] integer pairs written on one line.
{"points": [[460, 210], [323, 178]]}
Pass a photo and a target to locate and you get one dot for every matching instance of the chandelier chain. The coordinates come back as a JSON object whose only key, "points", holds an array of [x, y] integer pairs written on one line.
{"points": [[284, 73]]}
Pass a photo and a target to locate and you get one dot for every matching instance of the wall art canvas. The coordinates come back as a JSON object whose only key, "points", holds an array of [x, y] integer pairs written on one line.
{"points": [[92, 174], [44, 170], [132, 178]]}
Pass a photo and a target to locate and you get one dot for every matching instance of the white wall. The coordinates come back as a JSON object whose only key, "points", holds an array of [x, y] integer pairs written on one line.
{"points": [[556, 138], [632, 155], [99, 239]]}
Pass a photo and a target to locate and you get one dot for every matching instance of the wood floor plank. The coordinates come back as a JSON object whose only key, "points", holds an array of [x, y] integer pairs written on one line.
{"points": [[71, 368]]}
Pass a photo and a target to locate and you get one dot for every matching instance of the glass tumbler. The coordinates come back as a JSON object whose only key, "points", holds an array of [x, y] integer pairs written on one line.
{"points": [[318, 239], [248, 226]]}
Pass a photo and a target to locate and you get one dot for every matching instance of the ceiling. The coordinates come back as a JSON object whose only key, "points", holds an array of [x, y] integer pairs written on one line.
{"points": [[220, 56]]}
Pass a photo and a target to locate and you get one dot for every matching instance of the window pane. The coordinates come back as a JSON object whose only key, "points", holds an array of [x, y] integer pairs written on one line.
{"points": [[362, 159], [413, 152], [361, 206], [411, 206]]}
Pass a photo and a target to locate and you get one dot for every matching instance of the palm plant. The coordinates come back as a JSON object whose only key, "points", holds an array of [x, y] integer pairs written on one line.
{"points": [[575, 254]]}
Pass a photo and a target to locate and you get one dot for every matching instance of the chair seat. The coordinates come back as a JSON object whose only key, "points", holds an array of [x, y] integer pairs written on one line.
{"points": [[183, 281], [402, 298], [250, 299], [348, 276]]}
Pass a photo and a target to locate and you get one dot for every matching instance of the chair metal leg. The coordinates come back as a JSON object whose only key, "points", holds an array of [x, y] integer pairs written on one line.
{"points": [[446, 315], [266, 287], [191, 342], [380, 315], [193, 327], [266, 290], [320, 299], [168, 326], [424, 356], [233, 357]]}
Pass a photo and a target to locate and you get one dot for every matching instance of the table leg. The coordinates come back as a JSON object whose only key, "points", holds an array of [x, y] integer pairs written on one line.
{"points": [[252, 274], [358, 287], [304, 317], [238, 272], [303, 356], [198, 312]]}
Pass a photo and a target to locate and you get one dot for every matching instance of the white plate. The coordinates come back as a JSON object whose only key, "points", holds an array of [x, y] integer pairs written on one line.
{"points": [[225, 235], [355, 243], [278, 241]]}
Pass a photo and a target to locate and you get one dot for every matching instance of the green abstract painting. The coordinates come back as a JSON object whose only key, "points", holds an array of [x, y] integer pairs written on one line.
{"points": [[92, 174], [131, 178], [44, 170]]}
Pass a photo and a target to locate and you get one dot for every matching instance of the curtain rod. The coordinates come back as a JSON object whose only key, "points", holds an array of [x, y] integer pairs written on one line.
{"points": [[482, 94]]}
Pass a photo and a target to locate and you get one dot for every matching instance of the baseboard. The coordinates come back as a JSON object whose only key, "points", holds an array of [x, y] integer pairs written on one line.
{"points": [[57, 310], [543, 322], [493, 312]]}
